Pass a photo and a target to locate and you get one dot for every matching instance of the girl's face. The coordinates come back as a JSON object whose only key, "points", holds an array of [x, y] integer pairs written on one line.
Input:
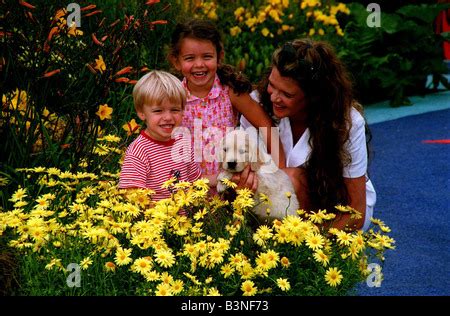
{"points": [[288, 99], [161, 119], [197, 61]]}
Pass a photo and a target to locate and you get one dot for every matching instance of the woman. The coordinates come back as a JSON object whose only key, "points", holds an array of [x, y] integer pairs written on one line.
{"points": [[308, 92]]}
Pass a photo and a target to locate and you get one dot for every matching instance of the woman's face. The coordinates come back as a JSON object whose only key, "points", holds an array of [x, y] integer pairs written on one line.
{"points": [[288, 99]]}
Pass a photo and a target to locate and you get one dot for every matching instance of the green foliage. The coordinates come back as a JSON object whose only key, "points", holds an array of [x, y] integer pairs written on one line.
{"points": [[394, 60], [388, 62], [55, 76], [58, 68], [60, 218], [253, 30]]}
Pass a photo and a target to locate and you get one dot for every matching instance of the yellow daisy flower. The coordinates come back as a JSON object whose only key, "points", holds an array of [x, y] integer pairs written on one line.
{"points": [[249, 288], [165, 258], [333, 277], [321, 257], [314, 241], [177, 286], [213, 292], [163, 289], [85, 263], [226, 270], [123, 256], [283, 284], [285, 263]]}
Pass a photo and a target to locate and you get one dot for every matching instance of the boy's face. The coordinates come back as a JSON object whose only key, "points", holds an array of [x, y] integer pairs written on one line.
{"points": [[161, 119]]}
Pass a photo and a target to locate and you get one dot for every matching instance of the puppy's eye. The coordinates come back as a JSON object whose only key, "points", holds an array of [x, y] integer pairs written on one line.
{"points": [[242, 151], [224, 150]]}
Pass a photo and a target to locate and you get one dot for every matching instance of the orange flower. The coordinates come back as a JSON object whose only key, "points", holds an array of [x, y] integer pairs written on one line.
{"points": [[122, 79], [51, 73], [26, 4], [52, 32], [100, 64], [60, 13], [73, 31], [93, 12], [131, 127], [89, 7], [110, 266], [124, 71], [96, 41], [159, 22], [114, 23], [104, 112]]}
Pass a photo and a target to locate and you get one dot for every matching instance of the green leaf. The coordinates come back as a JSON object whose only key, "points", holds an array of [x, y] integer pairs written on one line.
{"points": [[423, 12], [259, 69], [358, 13], [446, 35], [406, 65], [391, 23]]}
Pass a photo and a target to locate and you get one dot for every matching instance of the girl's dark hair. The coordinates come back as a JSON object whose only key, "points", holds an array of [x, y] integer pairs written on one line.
{"points": [[207, 31], [329, 98]]}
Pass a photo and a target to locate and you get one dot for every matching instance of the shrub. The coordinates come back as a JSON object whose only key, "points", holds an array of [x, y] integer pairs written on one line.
{"points": [[390, 62], [253, 30], [125, 244], [393, 61], [63, 86], [63, 74]]}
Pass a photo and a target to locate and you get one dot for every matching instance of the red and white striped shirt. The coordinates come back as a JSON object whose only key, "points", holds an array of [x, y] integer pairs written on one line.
{"points": [[149, 163]]}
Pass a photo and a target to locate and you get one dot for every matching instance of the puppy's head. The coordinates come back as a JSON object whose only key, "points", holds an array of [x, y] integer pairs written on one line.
{"points": [[237, 150]]}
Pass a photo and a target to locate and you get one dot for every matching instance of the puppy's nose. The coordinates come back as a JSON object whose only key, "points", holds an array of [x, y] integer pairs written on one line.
{"points": [[232, 164]]}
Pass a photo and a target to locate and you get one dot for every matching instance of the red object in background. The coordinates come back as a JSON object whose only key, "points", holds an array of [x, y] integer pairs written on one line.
{"points": [[443, 25], [436, 141]]}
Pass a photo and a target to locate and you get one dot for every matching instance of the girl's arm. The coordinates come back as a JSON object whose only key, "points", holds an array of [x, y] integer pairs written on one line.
{"points": [[256, 115]]}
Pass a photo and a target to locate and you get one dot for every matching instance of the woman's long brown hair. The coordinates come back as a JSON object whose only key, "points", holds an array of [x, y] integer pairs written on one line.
{"points": [[329, 98]]}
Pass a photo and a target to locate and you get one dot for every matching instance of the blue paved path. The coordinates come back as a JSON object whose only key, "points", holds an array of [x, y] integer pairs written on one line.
{"points": [[382, 112], [412, 181]]}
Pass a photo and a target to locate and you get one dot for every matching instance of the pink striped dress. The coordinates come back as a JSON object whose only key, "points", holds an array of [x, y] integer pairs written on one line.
{"points": [[208, 119]]}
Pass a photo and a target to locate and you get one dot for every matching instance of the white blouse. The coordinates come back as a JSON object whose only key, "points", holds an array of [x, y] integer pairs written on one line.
{"points": [[297, 154]]}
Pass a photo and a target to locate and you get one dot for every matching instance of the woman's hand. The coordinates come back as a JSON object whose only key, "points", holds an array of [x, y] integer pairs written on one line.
{"points": [[246, 179]]}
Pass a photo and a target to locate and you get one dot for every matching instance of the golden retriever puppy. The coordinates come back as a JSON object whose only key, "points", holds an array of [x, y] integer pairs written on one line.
{"points": [[237, 150]]}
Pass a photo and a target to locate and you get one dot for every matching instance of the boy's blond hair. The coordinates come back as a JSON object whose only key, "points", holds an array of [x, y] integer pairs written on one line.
{"points": [[156, 86]]}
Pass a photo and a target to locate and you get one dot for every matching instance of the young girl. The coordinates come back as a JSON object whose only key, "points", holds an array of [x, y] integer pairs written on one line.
{"points": [[322, 130], [215, 93]]}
